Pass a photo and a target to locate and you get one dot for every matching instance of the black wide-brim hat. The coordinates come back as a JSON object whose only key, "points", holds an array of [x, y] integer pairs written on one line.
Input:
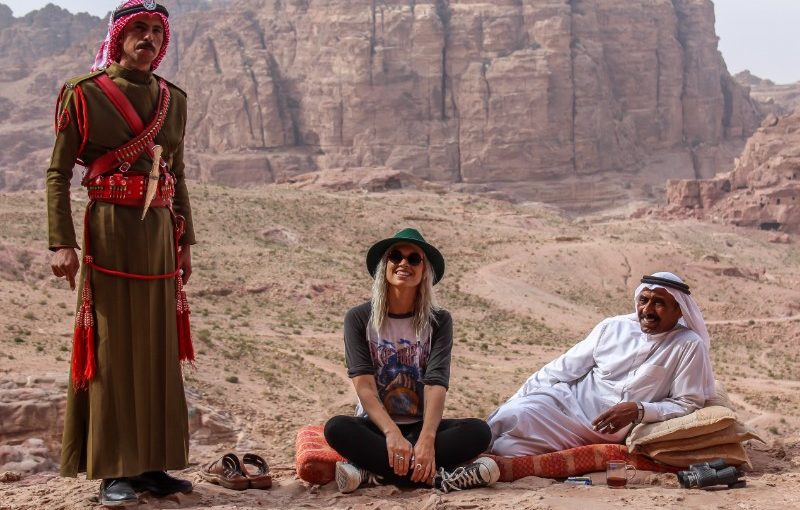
{"points": [[410, 236]]}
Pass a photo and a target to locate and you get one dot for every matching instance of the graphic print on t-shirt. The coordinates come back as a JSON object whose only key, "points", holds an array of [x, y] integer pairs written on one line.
{"points": [[398, 377]]}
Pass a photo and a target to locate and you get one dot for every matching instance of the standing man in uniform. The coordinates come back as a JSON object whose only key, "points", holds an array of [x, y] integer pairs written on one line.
{"points": [[126, 420]]}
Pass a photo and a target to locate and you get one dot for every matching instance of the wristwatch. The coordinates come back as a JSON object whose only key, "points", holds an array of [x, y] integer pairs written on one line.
{"points": [[640, 413]]}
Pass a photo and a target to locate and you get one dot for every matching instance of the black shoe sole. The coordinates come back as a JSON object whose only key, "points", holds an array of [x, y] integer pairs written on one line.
{"points": [[126, 502], [160, 494], [142, 487]]}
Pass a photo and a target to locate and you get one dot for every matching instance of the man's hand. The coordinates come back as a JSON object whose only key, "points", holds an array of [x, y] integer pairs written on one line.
{"points": [[424, 459], [185, 261], [64, 263], [400, 451], [616, 417]]}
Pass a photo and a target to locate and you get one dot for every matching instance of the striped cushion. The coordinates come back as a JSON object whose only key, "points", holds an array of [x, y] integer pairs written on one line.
{"points": [[315, 461]]}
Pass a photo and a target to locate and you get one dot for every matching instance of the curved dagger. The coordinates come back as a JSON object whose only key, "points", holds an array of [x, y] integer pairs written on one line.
{"points": [[152, 181]]}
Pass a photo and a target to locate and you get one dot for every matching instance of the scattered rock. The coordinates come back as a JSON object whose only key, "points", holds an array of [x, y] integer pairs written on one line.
{"points": [[770, 120], [33, 419], [32, 456], [21, 264], [10, 476], [739, 272], [780, 239], [219, 292], [279, 235], [208, 426], [260, 289]]}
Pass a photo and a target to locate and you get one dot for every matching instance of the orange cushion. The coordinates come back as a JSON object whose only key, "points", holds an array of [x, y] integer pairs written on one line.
{"points": [[316, 461]]}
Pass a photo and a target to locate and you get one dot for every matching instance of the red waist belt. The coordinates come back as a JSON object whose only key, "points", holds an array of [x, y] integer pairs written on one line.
{"points": [[129, 189]]}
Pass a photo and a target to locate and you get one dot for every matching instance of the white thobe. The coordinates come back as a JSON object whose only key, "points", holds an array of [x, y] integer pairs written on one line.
{"points": [[616, 363]]}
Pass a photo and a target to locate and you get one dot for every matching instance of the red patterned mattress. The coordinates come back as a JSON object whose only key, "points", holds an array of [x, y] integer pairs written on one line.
{"points": [[316, 461]]}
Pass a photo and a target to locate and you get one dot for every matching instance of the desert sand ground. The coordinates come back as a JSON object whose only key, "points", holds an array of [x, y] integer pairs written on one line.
{"points": [[277, 267]]}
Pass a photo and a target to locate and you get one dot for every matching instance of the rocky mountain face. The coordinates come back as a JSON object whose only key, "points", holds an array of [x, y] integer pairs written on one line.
{"points": [[582, 103], [763, 190], [771, 97], [41, 34]]}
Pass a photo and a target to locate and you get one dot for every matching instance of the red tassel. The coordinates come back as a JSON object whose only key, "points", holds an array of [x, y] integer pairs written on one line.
{"points": [[90, 365], [185, 347], [83, 358], [78, 356]]}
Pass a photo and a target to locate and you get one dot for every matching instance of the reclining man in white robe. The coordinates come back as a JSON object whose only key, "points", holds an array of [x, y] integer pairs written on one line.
{"points": [[648, 366]]}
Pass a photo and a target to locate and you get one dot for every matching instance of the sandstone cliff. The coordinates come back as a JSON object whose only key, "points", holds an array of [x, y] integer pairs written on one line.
{"points": [[771, 97], [579, 102], [763, 190]]}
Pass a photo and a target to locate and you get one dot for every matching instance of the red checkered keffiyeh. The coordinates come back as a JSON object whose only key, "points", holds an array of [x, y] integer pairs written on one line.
{"points": [[110, 49]]}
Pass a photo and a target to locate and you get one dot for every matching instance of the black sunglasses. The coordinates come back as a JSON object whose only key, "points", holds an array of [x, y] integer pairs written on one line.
{"points": [[395, 257]]}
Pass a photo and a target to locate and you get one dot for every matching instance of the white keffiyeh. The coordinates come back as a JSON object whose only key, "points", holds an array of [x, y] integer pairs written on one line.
{"points": [[692, 316]]}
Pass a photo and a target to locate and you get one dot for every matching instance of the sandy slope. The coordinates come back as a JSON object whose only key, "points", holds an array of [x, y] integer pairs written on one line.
{"points": [[277, 268]]}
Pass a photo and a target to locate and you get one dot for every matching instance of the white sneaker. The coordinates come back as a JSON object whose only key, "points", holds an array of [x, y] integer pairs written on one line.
{"points": [[481, 473], [350, 477]]}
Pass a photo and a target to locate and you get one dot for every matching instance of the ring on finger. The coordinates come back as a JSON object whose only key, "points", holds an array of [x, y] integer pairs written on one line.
{"points": [[418, 466]]}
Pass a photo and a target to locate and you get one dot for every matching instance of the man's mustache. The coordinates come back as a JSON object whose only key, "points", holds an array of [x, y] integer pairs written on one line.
{"points": [[145, 45], [649, 316]]}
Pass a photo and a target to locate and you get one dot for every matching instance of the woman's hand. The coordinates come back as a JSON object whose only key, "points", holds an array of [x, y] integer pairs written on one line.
{"points": [[400, 451], [398, 448], [424, 459]]}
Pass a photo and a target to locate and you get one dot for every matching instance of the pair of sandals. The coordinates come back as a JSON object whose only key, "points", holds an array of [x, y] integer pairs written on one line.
{"points": [[252, 472]]}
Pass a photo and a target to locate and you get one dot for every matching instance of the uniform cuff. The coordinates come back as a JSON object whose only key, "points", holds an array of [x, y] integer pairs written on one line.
{"points": [[56, 247]]}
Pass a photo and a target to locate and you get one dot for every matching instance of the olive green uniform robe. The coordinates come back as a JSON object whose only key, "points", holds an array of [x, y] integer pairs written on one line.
{"points": [[133, 416]]}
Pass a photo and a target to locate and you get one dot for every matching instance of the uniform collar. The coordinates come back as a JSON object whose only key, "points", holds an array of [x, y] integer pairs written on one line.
{"points": [[133, 75]]}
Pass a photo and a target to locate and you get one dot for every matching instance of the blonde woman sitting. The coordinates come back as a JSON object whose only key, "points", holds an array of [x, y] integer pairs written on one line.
{"points": [[397, 349]]}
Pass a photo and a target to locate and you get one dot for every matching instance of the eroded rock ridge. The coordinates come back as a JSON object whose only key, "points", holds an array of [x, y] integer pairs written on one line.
{"points": [[762, 191], [575, 102]]}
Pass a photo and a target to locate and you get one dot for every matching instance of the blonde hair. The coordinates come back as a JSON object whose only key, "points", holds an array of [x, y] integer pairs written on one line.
{"points": [[425, 304]]}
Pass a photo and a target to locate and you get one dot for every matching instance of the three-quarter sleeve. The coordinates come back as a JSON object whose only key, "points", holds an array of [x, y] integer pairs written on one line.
{"points": [[356, 348], [437, 371]]}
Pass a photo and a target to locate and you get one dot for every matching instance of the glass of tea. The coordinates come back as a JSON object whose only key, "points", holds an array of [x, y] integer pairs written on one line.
{"points": [[617, 473]]}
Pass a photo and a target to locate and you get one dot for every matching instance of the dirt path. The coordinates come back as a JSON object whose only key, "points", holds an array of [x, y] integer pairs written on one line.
{"points": [[496, 282]]}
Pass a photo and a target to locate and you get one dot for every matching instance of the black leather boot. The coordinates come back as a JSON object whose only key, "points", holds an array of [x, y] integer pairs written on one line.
{"points": [[159, 483], [117, 492]]}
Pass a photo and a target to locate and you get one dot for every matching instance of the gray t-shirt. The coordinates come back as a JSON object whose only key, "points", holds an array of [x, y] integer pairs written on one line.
{"points": [[402, 362]]}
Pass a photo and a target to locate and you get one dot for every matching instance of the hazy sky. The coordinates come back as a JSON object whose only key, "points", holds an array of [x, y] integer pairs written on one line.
{"points": [[758, 35]]}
